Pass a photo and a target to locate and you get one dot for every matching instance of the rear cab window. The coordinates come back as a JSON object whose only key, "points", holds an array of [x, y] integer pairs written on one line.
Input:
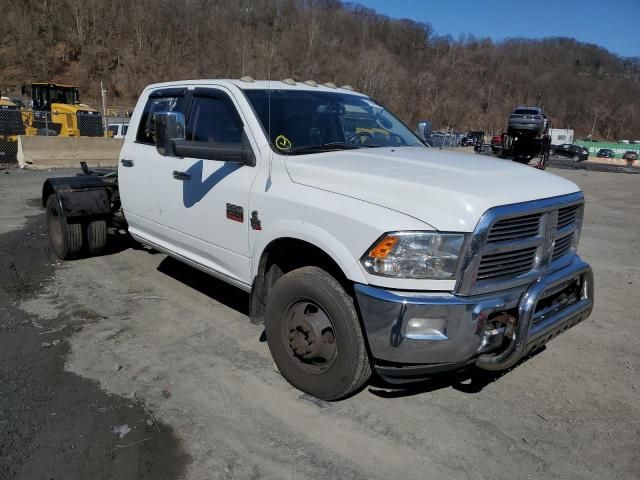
{"points": [[213, 118]]}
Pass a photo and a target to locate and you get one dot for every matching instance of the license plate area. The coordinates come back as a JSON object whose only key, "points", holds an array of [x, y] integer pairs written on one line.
{"points": [[558, 298]]}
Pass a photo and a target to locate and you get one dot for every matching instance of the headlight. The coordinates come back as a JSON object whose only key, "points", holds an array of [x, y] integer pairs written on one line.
{"points": [[416, 255]]}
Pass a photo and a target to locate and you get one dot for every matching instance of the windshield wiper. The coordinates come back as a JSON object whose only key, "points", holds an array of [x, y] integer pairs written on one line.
{"points": [[327, 147]]}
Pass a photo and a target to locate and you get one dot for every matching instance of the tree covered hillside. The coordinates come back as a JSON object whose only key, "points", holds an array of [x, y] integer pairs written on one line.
{"points": [[463, 83]]}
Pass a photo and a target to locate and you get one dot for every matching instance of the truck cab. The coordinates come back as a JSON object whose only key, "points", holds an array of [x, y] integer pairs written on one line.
{"points": [[362, 248]]}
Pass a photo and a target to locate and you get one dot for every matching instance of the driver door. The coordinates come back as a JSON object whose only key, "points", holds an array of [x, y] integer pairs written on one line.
{"points": [[210, 198]]}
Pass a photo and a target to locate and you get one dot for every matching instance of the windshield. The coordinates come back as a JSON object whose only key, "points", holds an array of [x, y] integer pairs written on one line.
{"points": [[307, 122], [46, 94], [67, 95], [521, 111]]}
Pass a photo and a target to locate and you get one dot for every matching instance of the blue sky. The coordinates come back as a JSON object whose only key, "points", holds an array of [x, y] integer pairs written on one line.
{"points": [[613, 24]]}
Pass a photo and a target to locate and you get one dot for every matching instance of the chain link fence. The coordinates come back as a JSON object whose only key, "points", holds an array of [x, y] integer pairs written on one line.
{"points": [[15, 122], [445, 139], [449, 138]]}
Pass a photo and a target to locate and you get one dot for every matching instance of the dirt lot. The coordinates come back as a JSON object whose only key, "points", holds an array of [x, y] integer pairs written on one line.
{"points": [[131, 365]]}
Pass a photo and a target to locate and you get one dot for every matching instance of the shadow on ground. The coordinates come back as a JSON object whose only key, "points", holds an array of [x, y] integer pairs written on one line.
{"points": [[468, 380], [215, 289], [53, 423]]}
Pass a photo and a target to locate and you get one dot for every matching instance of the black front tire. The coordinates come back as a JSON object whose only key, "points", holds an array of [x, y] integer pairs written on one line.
{"points": [[350, 367], [66, 238]]}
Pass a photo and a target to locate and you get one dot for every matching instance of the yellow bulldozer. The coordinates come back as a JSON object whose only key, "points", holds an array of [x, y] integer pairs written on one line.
{"points": [[57, 111]]}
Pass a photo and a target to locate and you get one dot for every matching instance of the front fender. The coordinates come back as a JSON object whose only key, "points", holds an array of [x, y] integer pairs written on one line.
{"points": [[314, 235]]}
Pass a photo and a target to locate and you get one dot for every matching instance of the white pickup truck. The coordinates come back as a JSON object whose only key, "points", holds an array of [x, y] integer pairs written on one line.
{"points": [[362, 248]]}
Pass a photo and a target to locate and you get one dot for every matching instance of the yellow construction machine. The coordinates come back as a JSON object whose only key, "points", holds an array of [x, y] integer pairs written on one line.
{"points": [[11, 125], [57, 111]]}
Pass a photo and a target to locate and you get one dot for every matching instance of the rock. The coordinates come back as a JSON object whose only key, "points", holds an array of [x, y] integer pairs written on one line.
{"points": [[121, 430], [46, 345], [117, 368]]}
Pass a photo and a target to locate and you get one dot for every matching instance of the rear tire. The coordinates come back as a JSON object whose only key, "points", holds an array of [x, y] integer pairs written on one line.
{"points": [[314, 334], [65, 238], [96, 237], [576, 158]]}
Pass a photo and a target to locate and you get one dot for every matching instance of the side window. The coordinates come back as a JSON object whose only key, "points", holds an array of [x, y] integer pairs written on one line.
{"points": [[213, 119], [124, 129], [113, 129], [146, 129]]}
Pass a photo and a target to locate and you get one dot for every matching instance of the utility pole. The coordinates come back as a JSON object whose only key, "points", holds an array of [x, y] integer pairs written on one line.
{"points": [[103, 92], [593, 127]]}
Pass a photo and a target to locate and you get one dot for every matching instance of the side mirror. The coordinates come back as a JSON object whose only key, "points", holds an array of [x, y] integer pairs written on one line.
{"points": [[223, 152], [169, 127], [424, 129]]}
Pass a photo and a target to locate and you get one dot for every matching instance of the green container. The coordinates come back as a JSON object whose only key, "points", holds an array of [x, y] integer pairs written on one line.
{"points": [[618, 148]]}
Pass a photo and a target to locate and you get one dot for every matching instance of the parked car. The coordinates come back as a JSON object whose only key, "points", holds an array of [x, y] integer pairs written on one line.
{"points": [[577, 153], [527, 121], [360, 248], [605, 153], [436, 139], [472, 138], [630, 155]]}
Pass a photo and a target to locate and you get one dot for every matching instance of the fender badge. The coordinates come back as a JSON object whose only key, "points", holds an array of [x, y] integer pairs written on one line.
{"points": [[235, 213], [256, 224]]}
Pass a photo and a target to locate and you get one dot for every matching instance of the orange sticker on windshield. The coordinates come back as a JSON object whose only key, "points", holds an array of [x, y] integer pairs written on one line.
{"points": [[283, 143]]}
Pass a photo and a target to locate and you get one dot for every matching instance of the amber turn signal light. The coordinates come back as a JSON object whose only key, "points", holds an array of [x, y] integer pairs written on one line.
{"points": [[384, 246]]}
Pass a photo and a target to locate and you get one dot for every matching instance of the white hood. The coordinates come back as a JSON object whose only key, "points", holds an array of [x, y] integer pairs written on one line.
{"points": [[448, 190]]}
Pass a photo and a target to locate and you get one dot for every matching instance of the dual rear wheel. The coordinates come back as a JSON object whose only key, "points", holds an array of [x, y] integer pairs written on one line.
{"points": [[73, 239]]}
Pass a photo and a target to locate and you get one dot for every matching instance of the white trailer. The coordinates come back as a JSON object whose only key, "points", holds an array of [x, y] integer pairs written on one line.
{"points": [[560, 136]]}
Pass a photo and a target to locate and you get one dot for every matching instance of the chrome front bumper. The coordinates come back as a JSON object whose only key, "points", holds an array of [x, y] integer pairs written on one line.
{"points": [[466, 337]]}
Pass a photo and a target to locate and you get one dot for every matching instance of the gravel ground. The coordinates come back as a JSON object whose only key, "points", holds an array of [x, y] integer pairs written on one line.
{"points": [[131, 365]]}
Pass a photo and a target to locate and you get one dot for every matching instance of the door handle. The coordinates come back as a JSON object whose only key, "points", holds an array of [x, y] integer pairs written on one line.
{"points": [[181, 175], [126, 163]]}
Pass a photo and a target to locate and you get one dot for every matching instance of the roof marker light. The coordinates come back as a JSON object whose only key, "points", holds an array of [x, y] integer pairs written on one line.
{"points": [[247, 79], [311, 83], [347, 87], [330, 85], [289, 81]]}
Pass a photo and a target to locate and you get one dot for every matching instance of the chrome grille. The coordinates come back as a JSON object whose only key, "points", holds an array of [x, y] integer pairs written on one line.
{"points": [[526, 226], [567, 216], [562, 246], [514, 244], [509, 263]]}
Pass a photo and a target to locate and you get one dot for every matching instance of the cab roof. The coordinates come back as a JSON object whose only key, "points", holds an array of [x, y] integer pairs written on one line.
{"points": [[49, 84], [285, 84]]}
